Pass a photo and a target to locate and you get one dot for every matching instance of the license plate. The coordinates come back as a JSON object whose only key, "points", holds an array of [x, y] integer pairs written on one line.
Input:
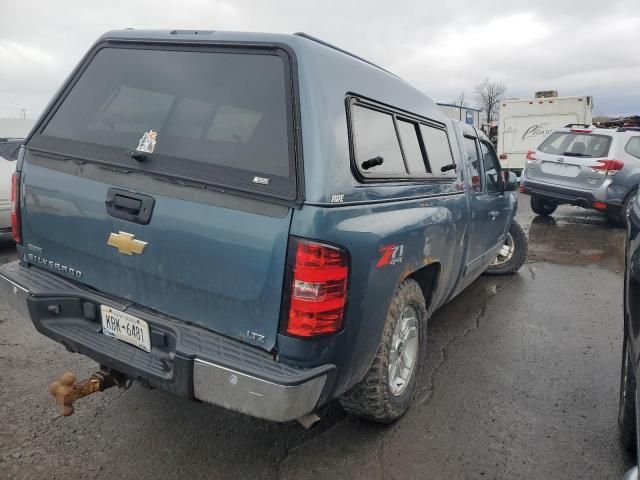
{"points": [[125, 327], [562, 169]]}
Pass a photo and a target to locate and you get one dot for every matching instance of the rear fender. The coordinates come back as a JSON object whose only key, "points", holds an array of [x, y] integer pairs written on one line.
{"points": [[388, 242]]}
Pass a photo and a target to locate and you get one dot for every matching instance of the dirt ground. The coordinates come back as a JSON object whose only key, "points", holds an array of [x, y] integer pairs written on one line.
{"points": [[522, 383]]}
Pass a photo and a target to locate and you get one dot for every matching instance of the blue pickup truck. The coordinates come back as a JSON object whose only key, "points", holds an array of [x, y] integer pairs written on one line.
{"points": [[262, 222]]}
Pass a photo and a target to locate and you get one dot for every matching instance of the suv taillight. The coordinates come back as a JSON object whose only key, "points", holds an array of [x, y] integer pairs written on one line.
{"points": [[16, 229], [608, 167], [317, 276], [531, 156]]}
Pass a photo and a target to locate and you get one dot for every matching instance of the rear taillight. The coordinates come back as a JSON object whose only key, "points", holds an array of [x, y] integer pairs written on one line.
{"points": [[318, 275], [608, 167], [531, 156], [504, 156], [16, 229], [580, 130]]}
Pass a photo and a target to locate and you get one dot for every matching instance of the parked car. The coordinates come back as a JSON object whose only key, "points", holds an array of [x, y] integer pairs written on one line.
{"points": [[627, 410], [267, 231], [588, 167], [9, 148]]}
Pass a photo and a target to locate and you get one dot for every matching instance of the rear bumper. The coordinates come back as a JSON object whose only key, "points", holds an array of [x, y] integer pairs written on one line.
{"points": [[580, 198], [631, 474], [185, 360]]}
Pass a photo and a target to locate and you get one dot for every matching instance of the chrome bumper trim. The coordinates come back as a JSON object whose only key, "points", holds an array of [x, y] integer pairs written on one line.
{"points": [[254, 396]]}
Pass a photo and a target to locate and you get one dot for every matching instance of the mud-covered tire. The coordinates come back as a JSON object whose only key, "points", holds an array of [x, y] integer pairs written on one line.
{"points": [[519, 255], [372, 397], [627, 402], [542, 206]]}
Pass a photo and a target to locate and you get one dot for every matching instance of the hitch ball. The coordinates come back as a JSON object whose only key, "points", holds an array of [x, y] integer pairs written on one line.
{"points": [[66, 390]]}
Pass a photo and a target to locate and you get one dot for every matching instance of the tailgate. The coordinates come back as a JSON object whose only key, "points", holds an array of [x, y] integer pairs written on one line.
{"points": [[167, 178], [221, 268]]}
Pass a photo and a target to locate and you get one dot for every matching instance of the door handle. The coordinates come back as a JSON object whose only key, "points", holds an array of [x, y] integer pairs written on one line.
{"points": [[130, 206], [493, 214]]}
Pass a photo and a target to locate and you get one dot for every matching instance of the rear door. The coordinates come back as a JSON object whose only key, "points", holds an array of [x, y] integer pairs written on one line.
{"points": [[572, 159], [166, 176]]}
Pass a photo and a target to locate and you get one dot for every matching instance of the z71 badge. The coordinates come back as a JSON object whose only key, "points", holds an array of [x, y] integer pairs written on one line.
{"points": [[391, 255]]}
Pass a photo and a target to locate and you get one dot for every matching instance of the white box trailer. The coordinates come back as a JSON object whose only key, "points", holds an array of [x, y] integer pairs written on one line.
{"points": [[468, 115], [524, 123]]}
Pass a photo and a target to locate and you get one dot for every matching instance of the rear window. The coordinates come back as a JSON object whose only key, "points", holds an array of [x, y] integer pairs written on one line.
{"points": [[228, 109], [576, 144]]}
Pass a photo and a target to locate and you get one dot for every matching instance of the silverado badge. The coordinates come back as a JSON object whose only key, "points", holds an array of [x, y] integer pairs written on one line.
{"points": [[125, 243]]}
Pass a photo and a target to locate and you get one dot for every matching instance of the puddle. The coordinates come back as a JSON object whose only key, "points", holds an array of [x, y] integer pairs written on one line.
{"points": [[578, 240]]}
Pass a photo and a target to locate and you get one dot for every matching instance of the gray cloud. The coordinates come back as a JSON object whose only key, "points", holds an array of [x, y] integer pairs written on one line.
{"points": [[579, 48]]}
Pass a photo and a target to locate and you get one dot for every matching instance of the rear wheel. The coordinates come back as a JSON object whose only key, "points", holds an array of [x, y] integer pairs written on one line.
{"points": [[513, 253], [542, 206], [627, 403], [620, 219], [387, 390]]}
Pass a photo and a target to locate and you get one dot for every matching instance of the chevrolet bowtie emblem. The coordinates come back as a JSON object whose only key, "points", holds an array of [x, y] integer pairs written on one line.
{"points": [[125, 243]]}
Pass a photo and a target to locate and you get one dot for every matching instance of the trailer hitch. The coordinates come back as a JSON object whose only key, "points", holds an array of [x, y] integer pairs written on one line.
{"points": [[66, 390]]}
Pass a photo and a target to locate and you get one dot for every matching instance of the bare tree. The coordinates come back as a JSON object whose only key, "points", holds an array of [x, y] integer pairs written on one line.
{"points": [[460, 100], [489, 94]]}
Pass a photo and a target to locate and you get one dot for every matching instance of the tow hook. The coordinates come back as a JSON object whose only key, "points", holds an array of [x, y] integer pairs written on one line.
{"points": [[66, 390]]}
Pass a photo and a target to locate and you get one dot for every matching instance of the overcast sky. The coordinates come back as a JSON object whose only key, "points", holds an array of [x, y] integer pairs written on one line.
{"points": [[443, 47]]}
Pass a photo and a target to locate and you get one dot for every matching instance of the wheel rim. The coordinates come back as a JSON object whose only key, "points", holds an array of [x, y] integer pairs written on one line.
{"points": [[404, 351], [506, 252]]}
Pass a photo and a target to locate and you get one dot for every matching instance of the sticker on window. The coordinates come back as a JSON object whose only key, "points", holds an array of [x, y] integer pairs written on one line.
{"points": [[148, 142]]}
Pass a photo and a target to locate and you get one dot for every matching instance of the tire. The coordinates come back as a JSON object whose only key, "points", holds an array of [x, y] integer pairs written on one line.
{"points": [[374, 398], [542, 206], [507, 263], [620, 219], [627, 402]]}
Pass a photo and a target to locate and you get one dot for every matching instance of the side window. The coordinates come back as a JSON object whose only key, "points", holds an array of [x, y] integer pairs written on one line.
{"points": [[491, 167], [436, 143], [471, 150], [411, 147], [375, 136], [633, 147]]}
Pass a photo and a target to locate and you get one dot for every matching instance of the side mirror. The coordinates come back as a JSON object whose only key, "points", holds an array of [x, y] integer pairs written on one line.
{"points": [[510, 181]]}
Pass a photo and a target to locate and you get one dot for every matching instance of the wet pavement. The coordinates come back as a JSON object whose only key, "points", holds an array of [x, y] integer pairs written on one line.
{"points": [[522, 382]]}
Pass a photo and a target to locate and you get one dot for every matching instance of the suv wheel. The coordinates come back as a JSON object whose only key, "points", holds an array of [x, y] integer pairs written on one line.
{"points": [[513, 253], [621, 218], [627, 403], [542, 206], [387, 390]]}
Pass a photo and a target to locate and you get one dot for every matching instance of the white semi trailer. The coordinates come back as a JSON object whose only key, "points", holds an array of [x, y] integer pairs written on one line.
{"points": [[524, 123]]}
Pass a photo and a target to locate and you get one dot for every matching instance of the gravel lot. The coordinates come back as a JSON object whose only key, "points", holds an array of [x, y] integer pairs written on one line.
{"points": [[522, 383]]}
